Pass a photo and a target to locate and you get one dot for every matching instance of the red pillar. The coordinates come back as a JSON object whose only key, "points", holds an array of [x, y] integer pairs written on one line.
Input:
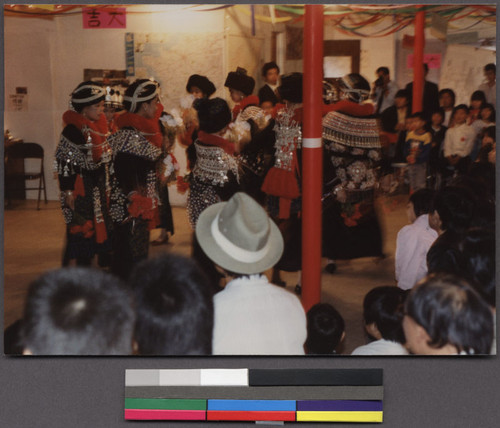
{"points": [[418, 61], [312, 163]]}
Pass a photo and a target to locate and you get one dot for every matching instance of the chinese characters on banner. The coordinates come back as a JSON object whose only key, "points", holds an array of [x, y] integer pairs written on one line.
{"points": [[95, 17]]}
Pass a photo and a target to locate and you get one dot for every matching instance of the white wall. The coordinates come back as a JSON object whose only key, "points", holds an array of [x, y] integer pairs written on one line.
{"points": [[49, 56]]}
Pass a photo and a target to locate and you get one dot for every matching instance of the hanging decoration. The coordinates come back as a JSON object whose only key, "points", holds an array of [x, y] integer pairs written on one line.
{"points": [[349, 19]]}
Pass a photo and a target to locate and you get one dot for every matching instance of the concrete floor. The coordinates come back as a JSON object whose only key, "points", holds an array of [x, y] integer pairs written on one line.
{"points": [[33, 242]]}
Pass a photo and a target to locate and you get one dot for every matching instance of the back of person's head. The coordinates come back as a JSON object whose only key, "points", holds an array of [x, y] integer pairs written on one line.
{"points": [[138, 93], [455, 206], [78, 311], [325, 329], [87, 94], [213, 114], [422, 201], [478, 249], [174, 307], [383, 306], [451, 313]]}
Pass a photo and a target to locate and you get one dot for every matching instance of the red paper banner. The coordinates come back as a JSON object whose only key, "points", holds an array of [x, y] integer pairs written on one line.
{"points": [[95, 17], [432, 60]]}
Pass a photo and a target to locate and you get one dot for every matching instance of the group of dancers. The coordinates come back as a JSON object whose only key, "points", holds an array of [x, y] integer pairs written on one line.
{"points": [[114, 175]]}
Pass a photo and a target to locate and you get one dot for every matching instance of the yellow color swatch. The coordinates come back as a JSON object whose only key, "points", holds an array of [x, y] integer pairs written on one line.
{"points": [[339, 416]]}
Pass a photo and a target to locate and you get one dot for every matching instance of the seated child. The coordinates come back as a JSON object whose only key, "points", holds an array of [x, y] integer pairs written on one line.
{"points": [[383, 316], [417, 150], [325, 329], [445, 316], [174, 307], [459, 141], [414, 240], [78, 311]]}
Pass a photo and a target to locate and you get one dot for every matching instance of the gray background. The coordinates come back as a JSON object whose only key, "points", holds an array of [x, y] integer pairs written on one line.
{"points": [[89, 392]]}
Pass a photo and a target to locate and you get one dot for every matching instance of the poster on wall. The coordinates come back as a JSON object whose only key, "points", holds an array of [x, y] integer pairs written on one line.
{"points": [[19, 100]]}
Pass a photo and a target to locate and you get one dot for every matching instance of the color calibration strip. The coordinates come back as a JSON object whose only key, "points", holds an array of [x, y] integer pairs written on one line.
{"points": [[299, 395]]}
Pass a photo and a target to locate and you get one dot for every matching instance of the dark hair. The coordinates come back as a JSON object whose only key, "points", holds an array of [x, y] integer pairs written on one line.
{"points": [[478, 96], [240, 81], [460, 107], [491, 131], [78, 311], [291, 87], [213, 114], [426, 67], [451, 312], [440, 111], [490, 67], [384, 307], [402, 93], [148, 90], [269, 66], [325, 327], [455, 206], [418, 115], [448, 91], [478, 249], [201, 82], [493, 112], [174, 307], [85, 93], [422, 201], [384, 70]]}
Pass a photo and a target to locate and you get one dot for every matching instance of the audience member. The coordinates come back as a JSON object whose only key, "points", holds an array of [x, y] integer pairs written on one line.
{"points": [[430, 96], [451, 215], [490, 86], [414, 240], [487, 152], [384, 90], [78, 311], [477, 100], [417, 150], [325, 329], [267, 93], [251, 315], [436, 159], [445, 316], [447, 102], [459, 141], [383, 317], [174, 307]]}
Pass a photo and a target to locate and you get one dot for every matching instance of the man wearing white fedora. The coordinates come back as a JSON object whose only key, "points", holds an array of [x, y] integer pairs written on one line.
{"points": [[251, 315]]}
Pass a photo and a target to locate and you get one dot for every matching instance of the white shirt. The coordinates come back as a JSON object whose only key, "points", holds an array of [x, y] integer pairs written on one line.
{"points": [[254, 317], [447, 117], [490, 92], [381, 347], [388, 99], [412, 244], [459, 140]]}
